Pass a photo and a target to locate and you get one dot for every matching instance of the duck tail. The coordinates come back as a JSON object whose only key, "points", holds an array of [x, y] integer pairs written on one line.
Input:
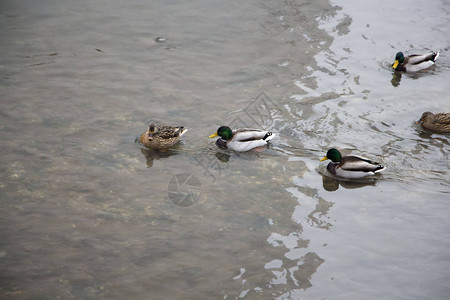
{"points": [[379, 168], [269, 135], [182, 130], [435, 56]]}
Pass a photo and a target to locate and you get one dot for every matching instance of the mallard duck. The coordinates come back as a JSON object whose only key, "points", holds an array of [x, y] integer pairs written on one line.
{"points": [[161, 136], [241, 140], [351, 166], [435, 122], [414, 62]]}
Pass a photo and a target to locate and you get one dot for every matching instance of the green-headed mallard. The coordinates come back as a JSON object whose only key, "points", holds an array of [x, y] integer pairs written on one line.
{"points": [[351, 166], [414, 62], [435, 122], [241, 140], [161, 136]]}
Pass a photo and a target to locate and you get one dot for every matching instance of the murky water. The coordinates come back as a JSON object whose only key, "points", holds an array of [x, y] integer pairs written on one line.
{"points": [[86, 213]]}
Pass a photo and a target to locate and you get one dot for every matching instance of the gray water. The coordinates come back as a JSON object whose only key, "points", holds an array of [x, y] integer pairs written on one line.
{"points": [[87, 214]]}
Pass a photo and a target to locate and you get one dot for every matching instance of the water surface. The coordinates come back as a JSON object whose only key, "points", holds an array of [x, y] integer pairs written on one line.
{"points": [[86, 213]]}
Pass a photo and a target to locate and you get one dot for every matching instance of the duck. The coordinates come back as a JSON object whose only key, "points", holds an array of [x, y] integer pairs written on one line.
{"points": [[414, 62], [161, 136], [241, 140], [439, 122], [351, 166]]}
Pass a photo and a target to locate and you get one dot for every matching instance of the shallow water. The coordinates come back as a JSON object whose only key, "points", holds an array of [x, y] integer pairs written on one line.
{"points": [[87, 213]]}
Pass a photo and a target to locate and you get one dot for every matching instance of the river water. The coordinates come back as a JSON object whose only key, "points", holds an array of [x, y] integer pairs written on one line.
{"points": [[86, 213]]}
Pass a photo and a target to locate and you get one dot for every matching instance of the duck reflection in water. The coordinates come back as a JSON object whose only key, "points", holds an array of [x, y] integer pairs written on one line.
{"points": [[396, 78], [223, 157], [213, 165], [151, 155], [331, 184]]}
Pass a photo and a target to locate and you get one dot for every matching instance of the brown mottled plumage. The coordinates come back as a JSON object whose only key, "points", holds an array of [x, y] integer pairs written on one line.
{"points": [[161, 136], [439, 122]]}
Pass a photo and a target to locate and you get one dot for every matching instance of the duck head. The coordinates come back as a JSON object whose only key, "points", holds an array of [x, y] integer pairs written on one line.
{"points": [[151, 131], [426, 116], [334, 155], [399, 59], [224, 132]]}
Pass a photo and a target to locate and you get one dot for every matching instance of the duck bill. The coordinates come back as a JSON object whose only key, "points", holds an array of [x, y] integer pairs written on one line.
{"points": [[213, 135], [395, 64], [325, 158]]}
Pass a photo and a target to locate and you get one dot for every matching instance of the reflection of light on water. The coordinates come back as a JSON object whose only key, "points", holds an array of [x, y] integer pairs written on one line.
{"points": [[242, 270], [244, 293], [276, 263], [300, 261], [280, 277], [289, 241], [72, 183]]}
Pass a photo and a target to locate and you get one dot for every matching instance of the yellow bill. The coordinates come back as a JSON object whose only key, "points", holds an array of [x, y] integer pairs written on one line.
{"points": [[325, 158], [213, 135], [395, 64]]}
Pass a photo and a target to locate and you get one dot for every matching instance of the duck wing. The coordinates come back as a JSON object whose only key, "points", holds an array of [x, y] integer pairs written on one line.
{"points": [[243, 146], [442, 118], [417, 59], [247, 135], [248, 139], [361, 164], [441, 122], [168, 132], [416, 63]]}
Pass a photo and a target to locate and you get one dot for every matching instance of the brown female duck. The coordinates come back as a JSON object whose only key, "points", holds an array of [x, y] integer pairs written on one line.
{"points": [[439, 122], [161, 136]]}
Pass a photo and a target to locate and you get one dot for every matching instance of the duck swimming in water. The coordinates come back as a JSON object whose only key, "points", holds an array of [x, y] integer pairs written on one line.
{"points": [[241, 140], [414, 62], [439, 122], [352, 166], [161, 136]]}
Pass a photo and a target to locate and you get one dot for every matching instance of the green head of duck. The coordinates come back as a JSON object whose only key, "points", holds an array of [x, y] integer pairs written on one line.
{"points": [[334, 155], [399, 59], [224, 132]]}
